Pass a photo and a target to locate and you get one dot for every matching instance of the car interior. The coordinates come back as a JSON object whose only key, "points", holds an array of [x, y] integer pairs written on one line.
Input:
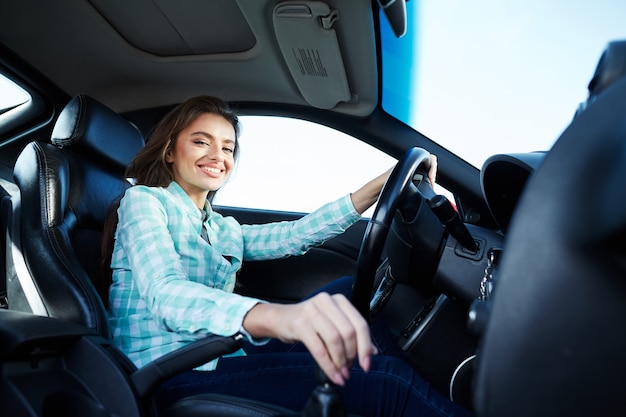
{"points": [[506, 295]]}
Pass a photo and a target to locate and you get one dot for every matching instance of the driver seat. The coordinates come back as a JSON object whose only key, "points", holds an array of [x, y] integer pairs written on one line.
{"points": [[65, 190], [554, 342]]}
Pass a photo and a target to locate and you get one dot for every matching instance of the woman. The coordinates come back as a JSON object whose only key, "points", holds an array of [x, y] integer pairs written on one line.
{"points": [[174, 265]]}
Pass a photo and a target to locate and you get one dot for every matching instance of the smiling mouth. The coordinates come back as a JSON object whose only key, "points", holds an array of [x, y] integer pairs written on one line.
{"points": [[211, 170]]}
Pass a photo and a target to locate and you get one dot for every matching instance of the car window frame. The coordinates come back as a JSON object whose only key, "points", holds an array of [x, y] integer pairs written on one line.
{"points": [[336, 165]]}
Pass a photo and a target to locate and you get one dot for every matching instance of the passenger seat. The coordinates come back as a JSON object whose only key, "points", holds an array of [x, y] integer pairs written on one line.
{"points": [[5, 214]]}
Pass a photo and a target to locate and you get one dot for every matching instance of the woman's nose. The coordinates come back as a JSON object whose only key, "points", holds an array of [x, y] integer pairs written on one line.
{"points": [[216, 154]]}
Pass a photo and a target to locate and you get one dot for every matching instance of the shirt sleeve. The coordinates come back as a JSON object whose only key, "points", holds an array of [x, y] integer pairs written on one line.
{"points": [[281, 239], [178, 304]]}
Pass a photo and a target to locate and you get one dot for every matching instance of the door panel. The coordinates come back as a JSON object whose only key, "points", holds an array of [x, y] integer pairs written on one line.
{"points": [[295, 277]]}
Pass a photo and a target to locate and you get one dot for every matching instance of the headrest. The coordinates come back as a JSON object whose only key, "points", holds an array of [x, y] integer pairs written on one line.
{"points": [[610, 68], [97, 132]]}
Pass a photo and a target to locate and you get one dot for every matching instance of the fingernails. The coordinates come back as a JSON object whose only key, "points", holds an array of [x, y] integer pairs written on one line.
{"points": [[345, 372], [338, 379], [365, 363]]}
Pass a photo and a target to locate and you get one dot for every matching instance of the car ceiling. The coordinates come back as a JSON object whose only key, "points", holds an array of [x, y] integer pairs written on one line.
{"points": [[152, 54], [147, 53]]}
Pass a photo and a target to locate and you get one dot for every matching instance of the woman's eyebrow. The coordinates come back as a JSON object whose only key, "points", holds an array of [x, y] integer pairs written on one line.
{"points": [[210, 136], [201, 133]]}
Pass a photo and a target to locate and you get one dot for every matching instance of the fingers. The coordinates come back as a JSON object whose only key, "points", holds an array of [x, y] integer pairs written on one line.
{"points": [[337, 341], [338, 335], [365, 348], [432, 172]]}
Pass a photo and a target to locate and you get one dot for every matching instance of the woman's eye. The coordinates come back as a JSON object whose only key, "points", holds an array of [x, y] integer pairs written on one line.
{"points": [[201, 142], [229, 150]]}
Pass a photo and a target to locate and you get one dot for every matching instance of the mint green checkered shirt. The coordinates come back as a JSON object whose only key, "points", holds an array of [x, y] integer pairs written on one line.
{"points": [[171, 287]]}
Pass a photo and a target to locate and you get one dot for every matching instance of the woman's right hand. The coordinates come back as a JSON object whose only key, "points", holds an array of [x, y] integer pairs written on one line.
{"points": [[329, 326]]}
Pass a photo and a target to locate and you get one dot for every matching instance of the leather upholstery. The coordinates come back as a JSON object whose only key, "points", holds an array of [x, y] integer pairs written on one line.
{"points": [[98, 133], [66, 189], [610, 69], [216, 405], [5, 215], [554, 343]]}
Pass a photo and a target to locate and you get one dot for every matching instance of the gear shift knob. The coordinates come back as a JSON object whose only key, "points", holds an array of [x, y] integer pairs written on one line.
{"points": [[325, 401]]}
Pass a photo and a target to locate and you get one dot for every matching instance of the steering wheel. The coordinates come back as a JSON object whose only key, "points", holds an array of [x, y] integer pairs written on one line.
{"points": [[396, 188]]}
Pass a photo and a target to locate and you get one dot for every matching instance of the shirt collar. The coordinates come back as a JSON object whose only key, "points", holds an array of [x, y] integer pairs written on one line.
{"points": [[188, 205]]}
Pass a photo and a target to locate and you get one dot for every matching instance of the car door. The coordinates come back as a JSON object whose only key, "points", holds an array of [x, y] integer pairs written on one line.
{"points": [[290, 167]]}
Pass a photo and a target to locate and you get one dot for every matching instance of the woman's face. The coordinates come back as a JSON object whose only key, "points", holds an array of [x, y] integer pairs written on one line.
{"points": [[203, 156]]}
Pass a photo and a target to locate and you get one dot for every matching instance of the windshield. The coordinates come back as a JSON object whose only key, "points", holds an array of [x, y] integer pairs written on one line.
{"points": [[491, 76]]}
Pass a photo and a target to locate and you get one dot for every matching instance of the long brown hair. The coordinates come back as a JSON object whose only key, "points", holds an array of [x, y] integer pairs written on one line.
{"points": [[149, 167]]}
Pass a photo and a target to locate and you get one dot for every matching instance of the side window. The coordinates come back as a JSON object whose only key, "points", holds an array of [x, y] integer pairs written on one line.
{"points": [[14, 104], [11, 95], [18, 107], [294, 165]]}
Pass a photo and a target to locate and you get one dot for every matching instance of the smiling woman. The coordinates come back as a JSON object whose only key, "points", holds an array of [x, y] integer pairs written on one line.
{"points": [[203, 156], [174, 266], [329, 95]]}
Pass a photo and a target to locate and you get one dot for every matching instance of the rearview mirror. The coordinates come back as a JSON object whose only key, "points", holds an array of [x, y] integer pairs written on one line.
{"points": [[395, 11]]}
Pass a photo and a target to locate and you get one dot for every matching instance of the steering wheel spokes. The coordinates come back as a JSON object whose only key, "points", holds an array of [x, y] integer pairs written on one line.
{"points": [[394, 191]]}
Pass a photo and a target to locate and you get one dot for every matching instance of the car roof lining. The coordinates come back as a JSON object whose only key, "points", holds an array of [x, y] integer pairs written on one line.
{"points": [[192, 27], [86, 51]]}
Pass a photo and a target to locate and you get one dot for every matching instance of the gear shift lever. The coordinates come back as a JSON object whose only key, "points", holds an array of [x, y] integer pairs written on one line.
{"points": [[325, 401]]}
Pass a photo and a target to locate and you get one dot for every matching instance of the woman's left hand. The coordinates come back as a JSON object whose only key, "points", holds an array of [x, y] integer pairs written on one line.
{"points": [[364, 197]]}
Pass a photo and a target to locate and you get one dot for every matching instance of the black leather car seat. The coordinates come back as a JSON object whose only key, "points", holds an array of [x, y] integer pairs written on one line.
{"points": [[610, 68], [5, 214], [554, 342], [65, 191]]}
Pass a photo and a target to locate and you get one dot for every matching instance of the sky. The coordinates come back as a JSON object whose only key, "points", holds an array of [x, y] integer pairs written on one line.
{"points": [[503, 76], [507, 76], [495, 76]]}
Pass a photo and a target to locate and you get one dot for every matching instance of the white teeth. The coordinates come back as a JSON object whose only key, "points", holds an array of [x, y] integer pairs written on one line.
{"points": [[212, 170]]}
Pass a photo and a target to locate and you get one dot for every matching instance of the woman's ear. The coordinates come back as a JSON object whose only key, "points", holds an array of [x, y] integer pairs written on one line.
{"points": [[169, 158]]}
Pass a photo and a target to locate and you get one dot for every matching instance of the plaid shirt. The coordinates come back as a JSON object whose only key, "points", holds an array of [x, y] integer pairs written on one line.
{"points": [[171, 287]]}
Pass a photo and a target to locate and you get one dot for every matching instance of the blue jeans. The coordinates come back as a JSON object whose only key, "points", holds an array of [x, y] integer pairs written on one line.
{"points": [[284, 374]]}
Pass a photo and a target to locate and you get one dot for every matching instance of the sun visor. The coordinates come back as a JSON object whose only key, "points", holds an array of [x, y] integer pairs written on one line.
{"points": [[308, 42]]}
